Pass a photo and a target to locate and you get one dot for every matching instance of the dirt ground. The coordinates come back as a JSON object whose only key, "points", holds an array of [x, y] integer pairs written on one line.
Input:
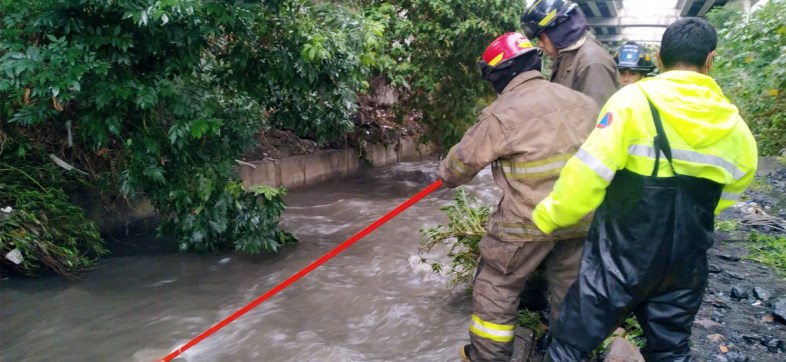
{"points": [[736, 322], [380, 120]]}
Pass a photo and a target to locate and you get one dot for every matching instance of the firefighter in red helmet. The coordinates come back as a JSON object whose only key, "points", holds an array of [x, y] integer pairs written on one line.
{"points": [[526, 135]]}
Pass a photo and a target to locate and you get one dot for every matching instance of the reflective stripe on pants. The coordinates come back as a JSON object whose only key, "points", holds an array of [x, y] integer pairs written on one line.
{"points": [[504, 269]]}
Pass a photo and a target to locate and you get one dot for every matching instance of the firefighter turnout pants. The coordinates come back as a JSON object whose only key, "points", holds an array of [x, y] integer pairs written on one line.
{"points": [[503, 271]]}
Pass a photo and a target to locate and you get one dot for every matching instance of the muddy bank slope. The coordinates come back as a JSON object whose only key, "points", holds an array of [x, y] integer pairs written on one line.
{"points": [[743, 316]]}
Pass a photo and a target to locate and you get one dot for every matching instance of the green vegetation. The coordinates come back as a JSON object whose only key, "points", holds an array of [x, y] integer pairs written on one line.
{"points": [[750, 66], [461, 235], [160, 97], [727, 226], [532, 321], [632, 332], [769, 250], [37, 221], [760, 185], [432, 51]]}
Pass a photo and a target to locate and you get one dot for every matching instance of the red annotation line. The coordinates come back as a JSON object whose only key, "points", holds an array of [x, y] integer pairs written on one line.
{"points": [[341, 247]]}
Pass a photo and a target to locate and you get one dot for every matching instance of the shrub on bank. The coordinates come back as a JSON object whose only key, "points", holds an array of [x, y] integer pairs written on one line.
{"points": [[750, 66], [161, 97], [431, 52]]}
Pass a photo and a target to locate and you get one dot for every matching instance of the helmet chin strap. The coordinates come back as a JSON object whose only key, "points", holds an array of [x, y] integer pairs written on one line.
{"points": [[501, 76]]}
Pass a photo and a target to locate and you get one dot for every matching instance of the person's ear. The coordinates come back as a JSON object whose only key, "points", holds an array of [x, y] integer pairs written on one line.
{"points": [[658, 62], [708, 62]]}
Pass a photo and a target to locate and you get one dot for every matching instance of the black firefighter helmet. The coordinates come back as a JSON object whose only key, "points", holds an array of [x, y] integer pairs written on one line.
{"points": [[545, 14], [634, 57]]}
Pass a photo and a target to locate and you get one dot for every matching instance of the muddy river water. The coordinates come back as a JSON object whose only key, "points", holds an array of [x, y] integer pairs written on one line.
{"points": [[373, 302]]}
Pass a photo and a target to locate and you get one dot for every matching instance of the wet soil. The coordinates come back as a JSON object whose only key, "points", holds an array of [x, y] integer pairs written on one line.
{"points": [[377, 121], [736, 322]]}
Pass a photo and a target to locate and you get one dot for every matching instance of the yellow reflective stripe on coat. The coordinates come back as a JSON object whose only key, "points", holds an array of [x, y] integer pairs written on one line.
{"points": [[455, 165], [502, 333], [549, 167]]}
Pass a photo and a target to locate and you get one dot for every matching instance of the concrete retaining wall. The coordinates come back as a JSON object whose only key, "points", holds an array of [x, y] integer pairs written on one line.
{"points": [[290, 172], [300, 171]]}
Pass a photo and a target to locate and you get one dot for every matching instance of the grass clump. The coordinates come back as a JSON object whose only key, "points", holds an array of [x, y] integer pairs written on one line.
{"points": [[43, 227], [760, 185], [769, 250], [727, 226], [533, 321], [632, 332]]}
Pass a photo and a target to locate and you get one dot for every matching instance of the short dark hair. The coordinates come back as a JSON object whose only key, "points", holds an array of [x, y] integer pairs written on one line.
{"points": [[688, 42]]}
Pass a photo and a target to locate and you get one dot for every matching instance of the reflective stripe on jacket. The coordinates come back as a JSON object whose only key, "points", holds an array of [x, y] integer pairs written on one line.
{"points": [[589, 69], [708, 139], [527, 134]]}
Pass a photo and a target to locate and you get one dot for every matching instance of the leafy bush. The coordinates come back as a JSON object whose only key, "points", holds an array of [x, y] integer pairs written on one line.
{"points": [[432, 51], [161, 97], [631, 331], [39, 223], [750, 66]]}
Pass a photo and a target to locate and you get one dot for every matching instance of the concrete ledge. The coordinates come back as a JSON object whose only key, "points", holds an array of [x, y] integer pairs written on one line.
{"points": [[114, 217], [301, 171], [291, 172]]}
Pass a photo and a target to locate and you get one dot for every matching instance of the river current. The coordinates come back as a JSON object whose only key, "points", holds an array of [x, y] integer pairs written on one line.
{"points": [[373, 302]]}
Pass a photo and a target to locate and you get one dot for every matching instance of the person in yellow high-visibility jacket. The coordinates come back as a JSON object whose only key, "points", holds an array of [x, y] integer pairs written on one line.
{"points": [[668, 153]]}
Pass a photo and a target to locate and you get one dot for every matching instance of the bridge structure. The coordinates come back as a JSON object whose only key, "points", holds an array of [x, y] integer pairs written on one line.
{"points": [[644, 21]]}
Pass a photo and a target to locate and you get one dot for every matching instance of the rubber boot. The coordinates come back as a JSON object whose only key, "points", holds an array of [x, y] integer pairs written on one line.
{"points": [[464, 352], [563, 352], [523, 345], [673, 356]]}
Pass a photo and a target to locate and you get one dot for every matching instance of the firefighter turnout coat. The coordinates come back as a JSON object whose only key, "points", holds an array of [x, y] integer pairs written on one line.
{"points": [[588, 68], [527, 134]]}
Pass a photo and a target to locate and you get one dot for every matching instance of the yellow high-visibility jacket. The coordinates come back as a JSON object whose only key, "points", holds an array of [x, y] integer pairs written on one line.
{"points": [[708, 139]]}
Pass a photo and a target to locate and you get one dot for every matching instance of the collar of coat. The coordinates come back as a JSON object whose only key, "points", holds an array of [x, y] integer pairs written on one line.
{"points": [[522, 78], [575, 45]]}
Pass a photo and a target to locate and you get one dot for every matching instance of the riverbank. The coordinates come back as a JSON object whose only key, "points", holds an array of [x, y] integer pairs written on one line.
{"points": [[743, 315], [301, 167]]}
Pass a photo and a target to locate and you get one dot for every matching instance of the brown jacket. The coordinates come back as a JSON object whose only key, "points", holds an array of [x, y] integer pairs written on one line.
{"points": [[589, 69], [527, 134]]}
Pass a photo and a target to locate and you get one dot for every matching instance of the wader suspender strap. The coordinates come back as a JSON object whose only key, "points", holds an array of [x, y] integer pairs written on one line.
{"points": [[660, 142]]}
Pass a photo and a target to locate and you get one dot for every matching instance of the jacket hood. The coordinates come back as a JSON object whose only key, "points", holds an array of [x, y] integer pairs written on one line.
{"points": [[693, 104]]}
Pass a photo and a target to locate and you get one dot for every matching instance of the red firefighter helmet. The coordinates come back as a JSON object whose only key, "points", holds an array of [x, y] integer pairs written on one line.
{"points": [[506, 47]]}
